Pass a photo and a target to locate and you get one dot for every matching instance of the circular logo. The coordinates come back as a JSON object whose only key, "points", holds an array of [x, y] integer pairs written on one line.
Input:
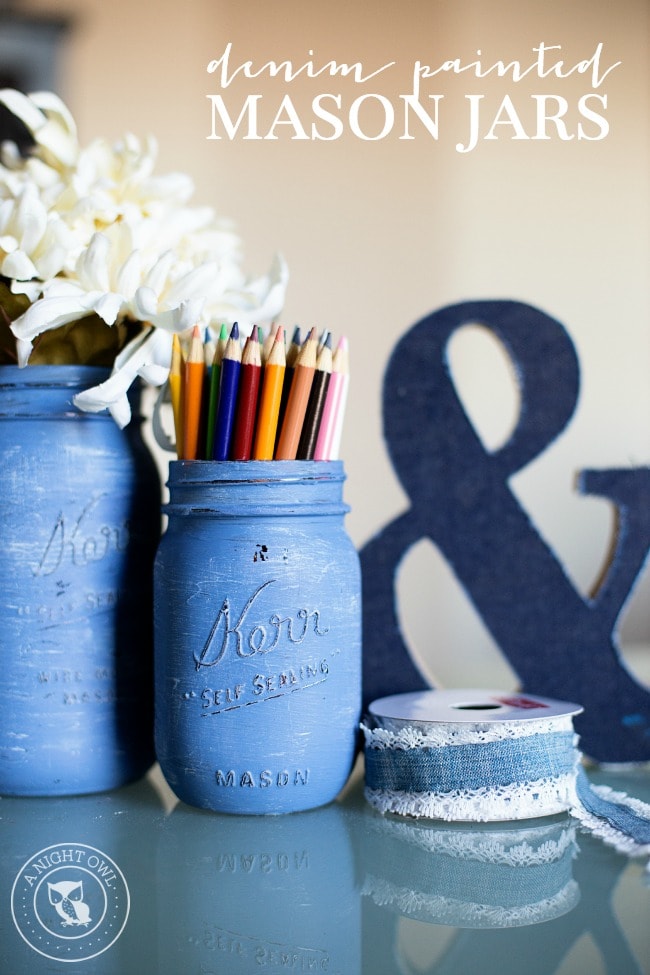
{"points": [[70, 902]]}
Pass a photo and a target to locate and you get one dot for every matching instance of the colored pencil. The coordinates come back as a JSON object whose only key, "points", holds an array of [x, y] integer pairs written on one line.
{"points": [[292, 354], [176, 392], [329, 435], [301, 382], [268, 342], [215, 374], [316, 403], [270, 397], [249, 385], [227, 400], [193, 375]]}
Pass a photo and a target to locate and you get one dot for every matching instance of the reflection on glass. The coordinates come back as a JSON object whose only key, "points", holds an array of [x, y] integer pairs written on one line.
{"points": [[76, 875], [238, 894], [471, 875]]}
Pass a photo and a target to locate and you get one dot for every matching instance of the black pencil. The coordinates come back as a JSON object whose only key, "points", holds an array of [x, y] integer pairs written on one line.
{"points": [[316, 403], [290, 361]]}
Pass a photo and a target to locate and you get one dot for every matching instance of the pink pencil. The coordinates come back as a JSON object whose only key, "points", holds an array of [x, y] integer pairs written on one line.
{"points": [[331, 427]]}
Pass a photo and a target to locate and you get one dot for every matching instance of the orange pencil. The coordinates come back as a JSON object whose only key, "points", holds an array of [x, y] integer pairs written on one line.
{"points": [[268, 342], [193, 375], [271, 395], [303, 376]]}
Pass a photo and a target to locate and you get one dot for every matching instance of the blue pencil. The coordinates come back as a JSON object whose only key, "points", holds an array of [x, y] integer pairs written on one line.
{"points": [[227, 402]]}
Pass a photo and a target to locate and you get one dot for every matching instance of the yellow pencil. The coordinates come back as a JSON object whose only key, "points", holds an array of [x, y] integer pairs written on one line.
{"points": [[193, 376], [268, 342], [301, 382], [271, 395], [176, 391]]}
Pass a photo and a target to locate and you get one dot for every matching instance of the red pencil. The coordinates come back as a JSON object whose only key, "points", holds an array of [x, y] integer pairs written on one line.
{"points": [[249, 384]]}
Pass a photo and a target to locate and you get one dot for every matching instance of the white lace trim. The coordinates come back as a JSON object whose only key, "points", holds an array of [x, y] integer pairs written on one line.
{"points": [[522, 847], [446, 910], [609, 834], [524, 800], [440, 734]]}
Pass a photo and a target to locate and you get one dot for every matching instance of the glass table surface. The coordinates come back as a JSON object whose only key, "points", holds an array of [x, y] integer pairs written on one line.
{"points": [[340, 890]]}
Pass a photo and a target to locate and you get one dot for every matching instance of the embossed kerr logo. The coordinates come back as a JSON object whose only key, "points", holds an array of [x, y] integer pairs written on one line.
{"points": [[248, 636], [70, 902], [72, 540]]}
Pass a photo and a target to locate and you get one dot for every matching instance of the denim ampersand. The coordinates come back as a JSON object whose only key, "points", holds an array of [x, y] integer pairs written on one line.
{"points": [[560, 643]]}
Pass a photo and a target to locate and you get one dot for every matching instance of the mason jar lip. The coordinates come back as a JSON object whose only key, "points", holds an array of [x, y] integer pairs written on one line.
{"points": [[222, 472], [43, 375]]}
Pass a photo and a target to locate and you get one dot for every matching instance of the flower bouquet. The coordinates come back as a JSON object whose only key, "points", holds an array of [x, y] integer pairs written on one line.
{"points": [[102, 259]]}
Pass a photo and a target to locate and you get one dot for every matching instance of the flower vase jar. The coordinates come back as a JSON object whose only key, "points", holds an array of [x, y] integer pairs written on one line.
{"points": [[80, 517], [257, 636]]}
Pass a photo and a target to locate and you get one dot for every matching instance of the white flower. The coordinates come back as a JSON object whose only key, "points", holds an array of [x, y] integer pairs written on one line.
{"points": [[34, 243], [94, 229]]}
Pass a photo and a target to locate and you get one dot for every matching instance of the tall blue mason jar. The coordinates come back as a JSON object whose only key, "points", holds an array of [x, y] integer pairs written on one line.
{"points": [[79, 526], [257, 636]]}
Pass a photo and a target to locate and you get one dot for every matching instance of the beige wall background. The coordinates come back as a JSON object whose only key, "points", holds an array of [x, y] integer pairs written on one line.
{"points": [[379, 233]]}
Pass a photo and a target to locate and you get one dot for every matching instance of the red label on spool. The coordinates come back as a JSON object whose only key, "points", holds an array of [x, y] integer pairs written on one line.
{"points": [[521, 702]]}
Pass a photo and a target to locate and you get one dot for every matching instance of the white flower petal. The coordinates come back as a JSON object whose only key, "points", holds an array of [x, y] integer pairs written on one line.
{"points": [[120, 410], [6, 215], [48, 313], [179, 319], [54, 108], [145, 303], [32, 289], [92, 266], [31, 219], [156, 277], [194, 282], [148, 355], [23, 108], [129, 275], [18, 265], [24, 350], [108, 307]]}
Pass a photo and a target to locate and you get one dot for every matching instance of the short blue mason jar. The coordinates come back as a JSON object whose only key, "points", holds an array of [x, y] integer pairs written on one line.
{"points": [[257, 636], [79, 527]]}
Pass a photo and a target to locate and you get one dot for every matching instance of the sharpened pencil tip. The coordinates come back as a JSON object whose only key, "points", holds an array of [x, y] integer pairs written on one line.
{"points": [[234, 333]]}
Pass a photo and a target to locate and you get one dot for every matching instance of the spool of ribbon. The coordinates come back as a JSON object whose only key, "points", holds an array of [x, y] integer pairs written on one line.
{"points": [[480, 756]]}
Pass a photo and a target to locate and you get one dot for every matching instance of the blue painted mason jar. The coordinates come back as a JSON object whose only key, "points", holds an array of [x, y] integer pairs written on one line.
{"points": [[257, 636], [79, 526]]}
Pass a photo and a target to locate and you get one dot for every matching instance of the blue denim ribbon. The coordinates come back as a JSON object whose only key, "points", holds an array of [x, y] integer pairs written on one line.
{"points": [[460, 767]]}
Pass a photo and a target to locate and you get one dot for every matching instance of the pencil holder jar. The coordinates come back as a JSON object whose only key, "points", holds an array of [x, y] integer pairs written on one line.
{"points": [[79, 525], [257, 636]]}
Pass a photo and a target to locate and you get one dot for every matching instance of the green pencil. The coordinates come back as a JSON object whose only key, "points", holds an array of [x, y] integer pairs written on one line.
{"points": [[215, 373]]}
